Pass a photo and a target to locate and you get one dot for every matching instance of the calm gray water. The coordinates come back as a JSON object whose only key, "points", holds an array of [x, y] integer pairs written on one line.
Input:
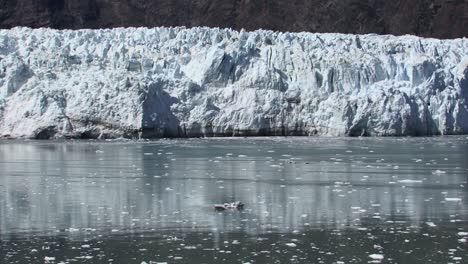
{"points": [[308, 200]]}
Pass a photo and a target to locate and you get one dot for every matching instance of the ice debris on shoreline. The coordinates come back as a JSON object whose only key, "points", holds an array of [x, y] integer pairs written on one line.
{"points": [[177, 82]]}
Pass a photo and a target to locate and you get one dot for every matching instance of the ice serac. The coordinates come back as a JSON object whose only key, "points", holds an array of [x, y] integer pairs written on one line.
{"points": [[177, 82]]}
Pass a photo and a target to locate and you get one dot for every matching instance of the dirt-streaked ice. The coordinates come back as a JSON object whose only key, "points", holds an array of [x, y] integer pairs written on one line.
{"points": [[211, 82]]}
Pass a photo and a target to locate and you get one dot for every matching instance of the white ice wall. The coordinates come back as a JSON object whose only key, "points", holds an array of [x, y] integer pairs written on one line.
{"points": [[205, 82]]}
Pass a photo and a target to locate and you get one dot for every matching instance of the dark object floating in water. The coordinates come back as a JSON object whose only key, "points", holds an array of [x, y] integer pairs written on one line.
{"points": [[229, 206]]}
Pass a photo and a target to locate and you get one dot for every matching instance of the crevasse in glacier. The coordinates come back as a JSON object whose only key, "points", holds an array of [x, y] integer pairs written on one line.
{"points": [[178, 82]]}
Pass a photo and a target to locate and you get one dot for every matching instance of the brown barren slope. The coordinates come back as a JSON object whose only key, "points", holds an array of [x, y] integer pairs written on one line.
{"points": [[428, 18]]}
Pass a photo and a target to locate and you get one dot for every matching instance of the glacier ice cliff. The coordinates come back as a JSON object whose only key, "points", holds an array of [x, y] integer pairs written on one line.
{"points": [[178, 82]]}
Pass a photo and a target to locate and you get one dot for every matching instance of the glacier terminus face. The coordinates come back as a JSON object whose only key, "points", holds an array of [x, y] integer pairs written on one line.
{"points": [[178, 82]]}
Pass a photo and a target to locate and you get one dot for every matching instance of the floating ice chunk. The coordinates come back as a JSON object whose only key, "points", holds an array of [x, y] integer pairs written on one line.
{"points": [[439, 172], [291, 245], [410, 181], [453, 199], [431, 224], [462, 233], [376, 256]]}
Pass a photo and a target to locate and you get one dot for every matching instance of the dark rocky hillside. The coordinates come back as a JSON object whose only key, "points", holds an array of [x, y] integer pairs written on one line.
{"points": [[428, 18]]}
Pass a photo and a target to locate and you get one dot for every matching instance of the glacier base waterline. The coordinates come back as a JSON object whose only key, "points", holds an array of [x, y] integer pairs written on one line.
{"points": [[178, 82]]}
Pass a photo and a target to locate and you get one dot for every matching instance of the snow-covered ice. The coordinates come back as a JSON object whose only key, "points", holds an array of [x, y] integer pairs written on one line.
{"points": [[139, 82]]}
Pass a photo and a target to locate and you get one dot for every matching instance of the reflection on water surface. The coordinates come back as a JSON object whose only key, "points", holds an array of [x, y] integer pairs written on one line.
{"points": [[308, 200]]}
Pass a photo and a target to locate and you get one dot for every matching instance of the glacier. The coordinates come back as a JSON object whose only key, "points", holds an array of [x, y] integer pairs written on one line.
{"points": [[203, 82]]}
